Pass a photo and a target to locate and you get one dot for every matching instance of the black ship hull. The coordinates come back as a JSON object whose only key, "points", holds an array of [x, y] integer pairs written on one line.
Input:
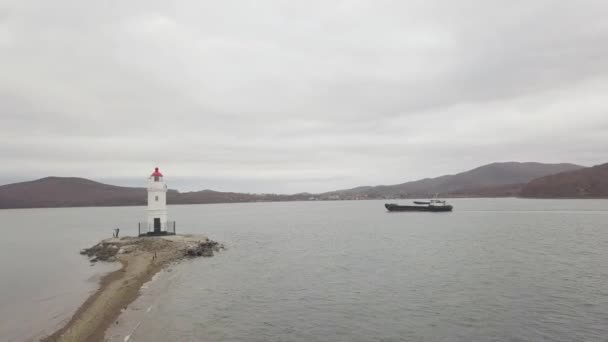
{"points": [[395, 207]]}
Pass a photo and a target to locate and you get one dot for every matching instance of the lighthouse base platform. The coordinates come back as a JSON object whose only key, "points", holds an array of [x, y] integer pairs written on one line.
{"points": [[146, 229], [161, 233]]}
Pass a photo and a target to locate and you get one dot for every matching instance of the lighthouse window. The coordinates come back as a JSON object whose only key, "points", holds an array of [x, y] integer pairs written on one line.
{"points": [[156, 198]]}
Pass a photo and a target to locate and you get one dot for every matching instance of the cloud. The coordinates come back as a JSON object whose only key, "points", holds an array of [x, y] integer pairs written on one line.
{"points": [[286, 96]]}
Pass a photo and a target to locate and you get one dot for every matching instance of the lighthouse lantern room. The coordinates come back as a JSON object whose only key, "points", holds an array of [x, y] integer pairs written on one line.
{"points": [[157, 223]]}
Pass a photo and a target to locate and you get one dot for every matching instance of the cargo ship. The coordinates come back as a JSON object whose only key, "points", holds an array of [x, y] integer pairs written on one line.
{"points": [[433, 205]]}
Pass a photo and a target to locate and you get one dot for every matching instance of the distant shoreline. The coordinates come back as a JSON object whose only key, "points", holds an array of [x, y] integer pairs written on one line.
{"points": [[496, 180], [328, 200]]}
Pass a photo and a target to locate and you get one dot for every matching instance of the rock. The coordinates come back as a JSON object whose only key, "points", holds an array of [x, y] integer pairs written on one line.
{"points": [[203, 248], [126, 249], [191, 250], [190, 245], [100, 252]]}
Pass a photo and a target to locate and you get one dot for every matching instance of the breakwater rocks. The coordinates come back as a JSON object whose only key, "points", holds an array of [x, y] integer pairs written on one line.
{"points": [[204, 248], [174, 246]]}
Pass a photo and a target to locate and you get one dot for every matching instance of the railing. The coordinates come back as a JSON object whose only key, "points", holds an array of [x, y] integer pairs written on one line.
{"points": [[145, 228], [142, 228], [170, 228]]}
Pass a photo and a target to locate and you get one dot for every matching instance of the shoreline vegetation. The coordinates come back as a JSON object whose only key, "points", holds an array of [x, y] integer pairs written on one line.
{"points": [[141, 259]]}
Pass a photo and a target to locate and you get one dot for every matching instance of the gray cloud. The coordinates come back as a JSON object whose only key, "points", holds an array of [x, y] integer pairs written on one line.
{"points": [[284, 96]]}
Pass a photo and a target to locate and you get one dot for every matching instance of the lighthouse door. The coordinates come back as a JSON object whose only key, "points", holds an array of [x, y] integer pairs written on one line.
{"points": [[157, 225]]}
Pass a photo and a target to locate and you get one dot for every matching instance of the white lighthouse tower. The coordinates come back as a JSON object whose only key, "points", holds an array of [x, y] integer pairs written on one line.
{"points": [[157, 206]]}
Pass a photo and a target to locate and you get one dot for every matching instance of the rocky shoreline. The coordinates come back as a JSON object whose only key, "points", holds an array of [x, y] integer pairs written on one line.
{"points": [[141, 258], [192, 245]]}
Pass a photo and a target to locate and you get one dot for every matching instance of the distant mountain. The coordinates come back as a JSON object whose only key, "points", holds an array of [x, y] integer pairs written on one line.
{"points": [[493, 180], [497, 179], [591, 182], [210, 196], [509, 190], [68, 192], [51, 192]]}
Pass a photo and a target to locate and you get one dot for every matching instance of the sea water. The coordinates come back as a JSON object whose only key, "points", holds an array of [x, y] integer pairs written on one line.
{"points": [[492, 270]]}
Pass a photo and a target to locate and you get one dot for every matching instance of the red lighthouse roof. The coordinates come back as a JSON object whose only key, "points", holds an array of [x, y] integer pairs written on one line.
{"points": [[156, 173]]}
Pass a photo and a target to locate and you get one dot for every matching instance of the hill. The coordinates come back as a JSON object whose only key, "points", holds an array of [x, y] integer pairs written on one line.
{"points": [[497, 179], [210, 196], [589, 182], [493, 180], [508, 190], [52, 192], [68, 192]]}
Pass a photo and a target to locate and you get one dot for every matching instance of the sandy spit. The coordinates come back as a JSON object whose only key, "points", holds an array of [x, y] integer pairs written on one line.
{"points": [[141, 258]]}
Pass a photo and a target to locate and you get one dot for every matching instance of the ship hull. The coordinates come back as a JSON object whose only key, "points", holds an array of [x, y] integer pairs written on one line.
{"points": [[395, 207]]}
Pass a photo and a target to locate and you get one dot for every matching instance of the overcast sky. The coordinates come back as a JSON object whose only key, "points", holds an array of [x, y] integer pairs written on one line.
{"points": [[290, 96]]}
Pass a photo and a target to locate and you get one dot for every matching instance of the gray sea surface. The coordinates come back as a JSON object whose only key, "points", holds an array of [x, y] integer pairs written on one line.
{"points": [[43, 278], [492, 270]]}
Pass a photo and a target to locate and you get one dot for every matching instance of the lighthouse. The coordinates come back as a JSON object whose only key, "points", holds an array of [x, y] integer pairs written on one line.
{"points": [[157, 207]]}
